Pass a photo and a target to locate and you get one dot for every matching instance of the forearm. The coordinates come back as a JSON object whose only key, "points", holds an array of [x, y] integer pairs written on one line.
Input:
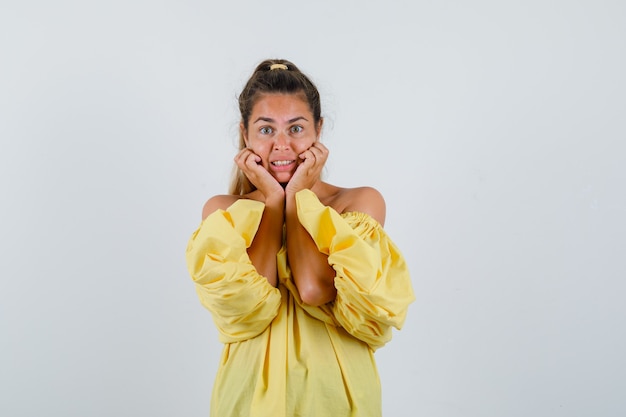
{"points": [[268, 241], [312, 274]]}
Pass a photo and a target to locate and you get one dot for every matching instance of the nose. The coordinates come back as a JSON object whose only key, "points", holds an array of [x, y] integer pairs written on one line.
{"points": [[281, 141]]}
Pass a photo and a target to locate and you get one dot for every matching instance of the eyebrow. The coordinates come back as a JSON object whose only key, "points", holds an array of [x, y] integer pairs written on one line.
{"points": [[270, 120]]}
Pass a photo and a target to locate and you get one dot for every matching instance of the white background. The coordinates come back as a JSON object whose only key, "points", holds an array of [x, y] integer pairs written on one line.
{"points": [[494, 129]]}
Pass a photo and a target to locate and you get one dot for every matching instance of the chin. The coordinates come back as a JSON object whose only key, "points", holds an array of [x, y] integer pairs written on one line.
{"points": [[283, 179]]}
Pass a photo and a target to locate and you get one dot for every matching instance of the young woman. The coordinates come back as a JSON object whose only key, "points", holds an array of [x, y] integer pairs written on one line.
{"points": [[302, 282]]}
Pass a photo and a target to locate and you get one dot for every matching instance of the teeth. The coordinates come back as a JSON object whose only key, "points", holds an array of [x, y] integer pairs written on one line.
{"points": [[281, 163]]}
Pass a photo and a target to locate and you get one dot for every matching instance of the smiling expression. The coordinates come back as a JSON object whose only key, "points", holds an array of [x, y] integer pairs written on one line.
{"points": [[280, 128]]}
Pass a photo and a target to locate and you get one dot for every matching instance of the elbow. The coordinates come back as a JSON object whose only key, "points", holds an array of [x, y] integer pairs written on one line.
{"points": [[317, 294]]}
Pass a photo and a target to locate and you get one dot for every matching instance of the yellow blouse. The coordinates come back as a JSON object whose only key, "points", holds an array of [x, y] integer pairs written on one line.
{"points": [[283, 358]]}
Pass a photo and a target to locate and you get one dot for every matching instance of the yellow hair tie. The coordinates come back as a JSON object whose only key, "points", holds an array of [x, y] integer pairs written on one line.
{"points": [[278, 66]]}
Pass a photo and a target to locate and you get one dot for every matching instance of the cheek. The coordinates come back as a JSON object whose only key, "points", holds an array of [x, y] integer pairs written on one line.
{"points": [[304, 145], [258, 147]]}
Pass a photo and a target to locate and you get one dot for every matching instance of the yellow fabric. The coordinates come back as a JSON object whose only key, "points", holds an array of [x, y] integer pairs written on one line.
{"points": [[283, 358]]}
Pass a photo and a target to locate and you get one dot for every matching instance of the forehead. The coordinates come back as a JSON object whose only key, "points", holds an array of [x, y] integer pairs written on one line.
{"points": [[287, 105]]}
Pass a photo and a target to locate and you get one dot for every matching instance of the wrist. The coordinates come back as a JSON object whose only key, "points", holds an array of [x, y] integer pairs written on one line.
{"points": [[275, 199], [290, 195], [290, 202], [290, 192]]}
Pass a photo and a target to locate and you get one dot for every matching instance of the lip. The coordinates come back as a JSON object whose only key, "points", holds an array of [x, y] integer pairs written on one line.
{"points": [[282, 168]]}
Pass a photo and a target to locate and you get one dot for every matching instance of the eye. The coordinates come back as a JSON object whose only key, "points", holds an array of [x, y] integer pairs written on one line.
{"points": [[266, 130], [296, 129]]}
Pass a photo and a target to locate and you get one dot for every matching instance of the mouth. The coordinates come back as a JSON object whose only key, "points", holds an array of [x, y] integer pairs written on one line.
{"points": [[283, 168], [282, 163]]}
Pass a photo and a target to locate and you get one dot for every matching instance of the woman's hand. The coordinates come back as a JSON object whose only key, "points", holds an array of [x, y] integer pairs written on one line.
{"points": [[309, 170], [312, 274], [250, 165]]}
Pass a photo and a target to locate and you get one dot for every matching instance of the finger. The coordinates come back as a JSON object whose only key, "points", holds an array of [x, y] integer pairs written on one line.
{"points": [[240, 159], [320, 146], [320, 150], [318, 153], [314, 155], [307, 157], [241, 155], [247, 158]]}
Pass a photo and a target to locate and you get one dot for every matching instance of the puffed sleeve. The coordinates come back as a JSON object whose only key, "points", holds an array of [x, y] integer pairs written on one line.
{"points": [[242, 302], [372, 279]]}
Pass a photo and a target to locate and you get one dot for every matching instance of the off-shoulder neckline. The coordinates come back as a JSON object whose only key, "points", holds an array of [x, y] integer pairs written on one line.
{"points": [[360, 216]]}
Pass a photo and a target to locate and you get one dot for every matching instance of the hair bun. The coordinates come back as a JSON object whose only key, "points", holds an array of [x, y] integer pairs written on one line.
{"points": [[278, 66]]}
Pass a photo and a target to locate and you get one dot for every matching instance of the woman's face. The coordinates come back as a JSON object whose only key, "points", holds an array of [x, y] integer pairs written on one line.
{"points": [[280, 128]]}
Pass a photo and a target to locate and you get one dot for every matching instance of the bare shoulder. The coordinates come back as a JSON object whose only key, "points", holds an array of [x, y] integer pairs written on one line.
{"points": [[365, 200], [218, 202]]}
